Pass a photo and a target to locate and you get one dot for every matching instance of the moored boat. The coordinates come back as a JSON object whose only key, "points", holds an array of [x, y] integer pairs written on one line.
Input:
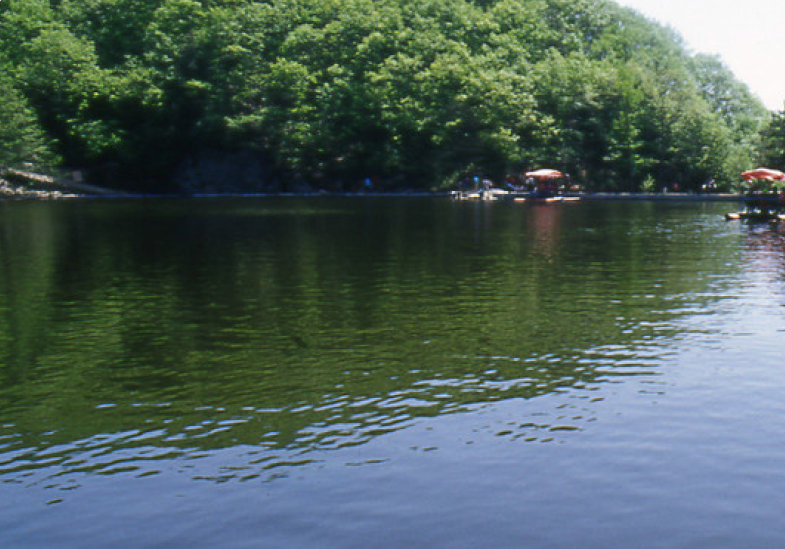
{"points": [[545, 188], [764, 199], [754, 216], [546, 199], [485, 194]]}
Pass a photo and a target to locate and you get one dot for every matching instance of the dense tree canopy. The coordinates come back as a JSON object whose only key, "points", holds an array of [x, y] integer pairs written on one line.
{"points": [[410, 93]]}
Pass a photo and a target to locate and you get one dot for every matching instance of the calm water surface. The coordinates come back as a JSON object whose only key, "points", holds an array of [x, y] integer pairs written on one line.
{"points": [[387, 373]]}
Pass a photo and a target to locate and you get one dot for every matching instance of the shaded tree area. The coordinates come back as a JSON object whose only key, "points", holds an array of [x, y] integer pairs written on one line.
{"points": [[772, 142], [327, 93]]}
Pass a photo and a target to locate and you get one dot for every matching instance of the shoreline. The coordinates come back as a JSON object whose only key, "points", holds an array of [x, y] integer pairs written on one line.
{"points": [[670, 197], [19, 185], [10, 192]]}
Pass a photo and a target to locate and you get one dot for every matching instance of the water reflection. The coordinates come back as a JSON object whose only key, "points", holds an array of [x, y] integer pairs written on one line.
{"points": [[234, 340], [545, 226], [764, 247]]}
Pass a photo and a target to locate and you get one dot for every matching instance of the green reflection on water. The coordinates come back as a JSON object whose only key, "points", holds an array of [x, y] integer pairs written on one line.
{"points": [[144, 331]]}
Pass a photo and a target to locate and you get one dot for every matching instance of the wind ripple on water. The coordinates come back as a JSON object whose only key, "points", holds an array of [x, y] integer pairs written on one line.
{"points": [[274, 438]]}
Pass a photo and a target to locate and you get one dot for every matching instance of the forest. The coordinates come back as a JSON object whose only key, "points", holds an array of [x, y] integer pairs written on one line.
{"points": [[301, 95]]}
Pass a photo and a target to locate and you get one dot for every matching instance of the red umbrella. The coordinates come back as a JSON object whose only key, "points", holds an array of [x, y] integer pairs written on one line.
{"points": [[548, 174], [763, 173]]}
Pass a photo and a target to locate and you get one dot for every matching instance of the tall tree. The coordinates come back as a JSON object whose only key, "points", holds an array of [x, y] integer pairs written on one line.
{"points": [[22, 140]]}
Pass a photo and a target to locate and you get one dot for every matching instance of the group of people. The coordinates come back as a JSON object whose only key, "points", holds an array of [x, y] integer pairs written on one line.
{"points": [[475, 183], [514, 183]]}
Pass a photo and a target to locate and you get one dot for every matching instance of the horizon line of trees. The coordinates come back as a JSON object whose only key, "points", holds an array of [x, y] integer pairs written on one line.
{"points": [[411, 93]]}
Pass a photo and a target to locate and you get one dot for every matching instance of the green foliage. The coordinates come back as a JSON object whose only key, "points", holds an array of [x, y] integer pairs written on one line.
{"points": [[649, 185], [772, 148], [22, 140], [411, 92], [115, 27]]}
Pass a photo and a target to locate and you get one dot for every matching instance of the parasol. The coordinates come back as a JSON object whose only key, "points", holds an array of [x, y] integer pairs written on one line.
{"points": [[549, 174], [763, 173]]}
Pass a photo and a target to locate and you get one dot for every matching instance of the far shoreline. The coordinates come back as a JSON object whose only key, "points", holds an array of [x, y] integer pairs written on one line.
{"points": [[19, 185], [46, 195]]}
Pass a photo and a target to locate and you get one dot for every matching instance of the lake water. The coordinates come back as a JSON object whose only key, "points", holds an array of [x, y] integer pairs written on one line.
{"points": [[388, 373]]}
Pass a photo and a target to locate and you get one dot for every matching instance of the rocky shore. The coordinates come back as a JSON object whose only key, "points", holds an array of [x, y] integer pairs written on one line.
{"points": [[9, 190], [21, 184]]}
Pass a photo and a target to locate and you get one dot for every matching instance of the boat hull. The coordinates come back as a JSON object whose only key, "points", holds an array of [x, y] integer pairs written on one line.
{"points": [[754, 216], [546, 199]]}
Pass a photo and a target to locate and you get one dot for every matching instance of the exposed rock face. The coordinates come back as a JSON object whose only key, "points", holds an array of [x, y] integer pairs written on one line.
{"points": [[204, 173], [219, 172]]}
